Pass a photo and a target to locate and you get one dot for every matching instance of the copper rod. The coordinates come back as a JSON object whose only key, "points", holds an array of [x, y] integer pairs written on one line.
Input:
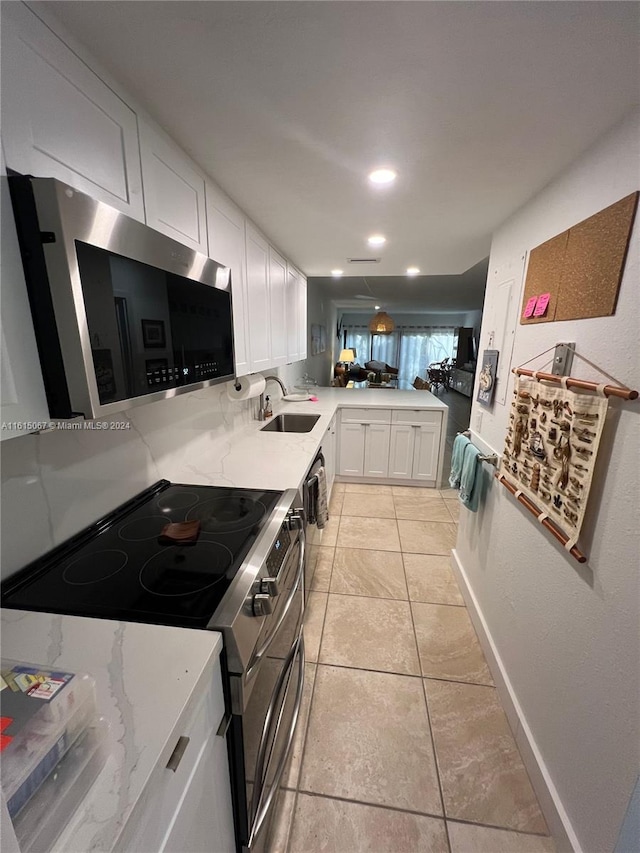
{"points": [[550, 526], [609, 390]]}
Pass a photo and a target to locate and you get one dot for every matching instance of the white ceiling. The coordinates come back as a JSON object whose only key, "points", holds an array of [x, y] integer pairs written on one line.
{"points": [[288, 105]]}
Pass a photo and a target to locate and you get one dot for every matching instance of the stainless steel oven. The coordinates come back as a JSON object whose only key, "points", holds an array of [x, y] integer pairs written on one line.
{"points": [[244, 576], [266, 688]]}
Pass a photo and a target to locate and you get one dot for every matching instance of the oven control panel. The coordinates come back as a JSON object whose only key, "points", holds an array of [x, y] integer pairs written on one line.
{"points": [[278, 552]]}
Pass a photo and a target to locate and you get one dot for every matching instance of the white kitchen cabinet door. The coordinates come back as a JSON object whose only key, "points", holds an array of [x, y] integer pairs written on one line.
{"points": [[425, 454], [376, 450], [204, 818], [401, 451], [351, 454], [278, 303], [258, 302], [174, 194], [191, 801], [329, 453], [59, 120], [21, 388], [302, 322], [293, 314], [225, 228]]}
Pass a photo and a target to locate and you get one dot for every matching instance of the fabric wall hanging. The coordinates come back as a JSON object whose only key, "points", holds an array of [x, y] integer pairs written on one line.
{"points": [[550, 450]]}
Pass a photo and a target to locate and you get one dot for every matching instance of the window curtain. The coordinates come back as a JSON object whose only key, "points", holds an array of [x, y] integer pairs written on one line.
{"points": [[411, 348], [385, 348], [419, 349], [359, 339]]}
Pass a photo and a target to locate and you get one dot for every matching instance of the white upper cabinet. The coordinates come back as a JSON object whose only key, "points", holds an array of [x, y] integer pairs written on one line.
{"points": [[258, 308], [225, 226], [293, 314], [61, 121], [22, 392], [278, 302], [174, 193], [302, 317]]}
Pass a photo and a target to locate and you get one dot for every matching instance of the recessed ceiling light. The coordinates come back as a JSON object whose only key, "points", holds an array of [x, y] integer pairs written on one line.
{"points": [[413, 271], [383, 176], [376, 240], [377, 307], [336, 273]]}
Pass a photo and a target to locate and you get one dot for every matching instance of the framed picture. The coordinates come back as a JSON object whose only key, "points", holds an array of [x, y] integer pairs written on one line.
{"points": [[487, 377], [318, 339], [153, 334]]}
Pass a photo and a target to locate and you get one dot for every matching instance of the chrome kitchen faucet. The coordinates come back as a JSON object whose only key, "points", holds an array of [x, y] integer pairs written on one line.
{"points": [[260, 415]]}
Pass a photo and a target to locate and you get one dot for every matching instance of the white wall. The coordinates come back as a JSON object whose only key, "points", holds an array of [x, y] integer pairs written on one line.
{"points": [[569, 635]]}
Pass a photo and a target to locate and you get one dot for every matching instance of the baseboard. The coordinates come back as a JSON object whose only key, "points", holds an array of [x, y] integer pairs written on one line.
{"points": [[557, 819]]}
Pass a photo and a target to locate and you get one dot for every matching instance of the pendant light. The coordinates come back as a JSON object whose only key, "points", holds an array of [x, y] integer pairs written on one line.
{"points": [[381, 324]]}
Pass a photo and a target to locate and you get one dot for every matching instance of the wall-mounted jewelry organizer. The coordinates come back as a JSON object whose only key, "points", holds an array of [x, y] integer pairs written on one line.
{"points": [[551, 447]]}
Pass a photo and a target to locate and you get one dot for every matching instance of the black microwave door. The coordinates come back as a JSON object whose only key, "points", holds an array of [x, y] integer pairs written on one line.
{"points": [[151, 330]]}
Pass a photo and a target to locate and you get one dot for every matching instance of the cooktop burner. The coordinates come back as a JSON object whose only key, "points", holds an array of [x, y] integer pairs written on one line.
{"points": [[140, 529], [92, 568], [228, 515], [178, 499], [183, 571], [118, 568]]}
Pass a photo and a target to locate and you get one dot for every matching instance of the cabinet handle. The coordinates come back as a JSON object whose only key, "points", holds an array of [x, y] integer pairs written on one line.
{"points": [[225, 722], [178, 752]]}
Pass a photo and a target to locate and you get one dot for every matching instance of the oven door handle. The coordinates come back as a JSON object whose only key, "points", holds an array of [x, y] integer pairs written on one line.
{"points": [[263, 806], [257, 656]]}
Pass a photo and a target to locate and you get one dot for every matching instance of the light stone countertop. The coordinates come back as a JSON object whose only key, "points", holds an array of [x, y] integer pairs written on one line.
{"points": [[145, 677], [273, 460]]}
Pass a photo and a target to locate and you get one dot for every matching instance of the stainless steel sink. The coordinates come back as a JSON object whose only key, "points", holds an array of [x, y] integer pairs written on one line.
{"points": [[291, 423]]}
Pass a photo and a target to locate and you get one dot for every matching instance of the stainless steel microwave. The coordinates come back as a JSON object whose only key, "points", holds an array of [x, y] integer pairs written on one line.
{"points": [[122, 314]]}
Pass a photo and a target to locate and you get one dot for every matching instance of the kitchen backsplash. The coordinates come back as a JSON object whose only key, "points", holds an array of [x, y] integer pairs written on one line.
{"points": [[56, 483]]}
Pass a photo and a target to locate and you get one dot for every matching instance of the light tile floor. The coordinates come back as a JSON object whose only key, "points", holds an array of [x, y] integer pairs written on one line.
{"points": [[403, 746]]}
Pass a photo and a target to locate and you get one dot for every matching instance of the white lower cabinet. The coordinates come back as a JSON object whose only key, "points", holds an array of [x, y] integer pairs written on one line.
{"points": [[425, 453], [376, 450], [329, 447], [351, 456], [401, 451], [414, 451], [390, 444], [188, 809]]}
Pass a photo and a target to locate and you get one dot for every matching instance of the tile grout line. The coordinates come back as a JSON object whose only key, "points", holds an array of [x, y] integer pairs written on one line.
{"points": [[308, 793], [306, 733], [431, 735], [402, 674]]}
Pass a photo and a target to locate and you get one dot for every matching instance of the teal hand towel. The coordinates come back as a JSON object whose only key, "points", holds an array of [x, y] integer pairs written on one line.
{"points": [[471, 478], [457, 455]]}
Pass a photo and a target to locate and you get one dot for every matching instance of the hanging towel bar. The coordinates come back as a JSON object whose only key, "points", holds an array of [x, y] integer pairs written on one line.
{"points": [[491, 458]]}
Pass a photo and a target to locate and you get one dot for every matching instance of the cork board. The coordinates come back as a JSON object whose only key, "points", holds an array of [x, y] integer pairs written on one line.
{"points": [[544, 274], [582, 268], [594, 262]]}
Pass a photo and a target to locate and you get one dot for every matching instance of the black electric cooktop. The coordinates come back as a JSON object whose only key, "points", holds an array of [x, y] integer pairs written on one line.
{"points": [[119, 568]]}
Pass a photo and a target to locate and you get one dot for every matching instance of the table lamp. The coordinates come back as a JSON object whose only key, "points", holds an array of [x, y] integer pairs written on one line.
{"points": [[347, 356]]}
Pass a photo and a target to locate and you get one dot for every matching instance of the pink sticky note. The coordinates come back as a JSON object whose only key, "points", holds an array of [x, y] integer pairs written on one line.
{"points": [[541, 307], [530, 306]]}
